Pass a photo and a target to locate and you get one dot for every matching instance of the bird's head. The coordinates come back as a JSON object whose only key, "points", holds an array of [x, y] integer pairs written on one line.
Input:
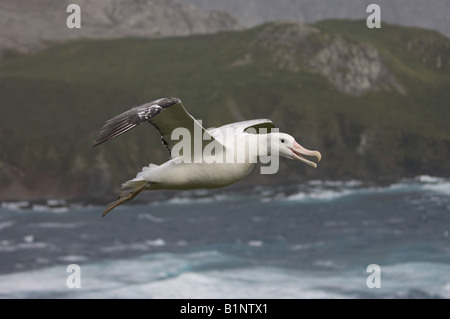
{"points": [[288, 147]]}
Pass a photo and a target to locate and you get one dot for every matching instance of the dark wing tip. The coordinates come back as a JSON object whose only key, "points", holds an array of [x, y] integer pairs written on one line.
{"points": [[116, 126], [167, 101], [131, 118]]}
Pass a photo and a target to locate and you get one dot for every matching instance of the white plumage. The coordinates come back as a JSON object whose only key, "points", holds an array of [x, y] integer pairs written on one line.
{"points": [[211, 158]]}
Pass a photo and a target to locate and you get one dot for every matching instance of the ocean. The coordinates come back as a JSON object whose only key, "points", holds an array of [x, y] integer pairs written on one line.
{"points": [[320, 239]]}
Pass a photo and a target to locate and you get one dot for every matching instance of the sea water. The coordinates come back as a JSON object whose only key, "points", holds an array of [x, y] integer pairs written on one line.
{"points": [[312, 240]]}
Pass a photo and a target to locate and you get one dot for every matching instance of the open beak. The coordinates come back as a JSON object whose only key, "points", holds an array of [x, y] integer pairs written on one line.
{"points": [[298, 151]]}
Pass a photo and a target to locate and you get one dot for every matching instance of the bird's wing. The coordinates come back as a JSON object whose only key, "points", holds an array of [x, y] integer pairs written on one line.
{"points": [[166, 114], [258, 126]]}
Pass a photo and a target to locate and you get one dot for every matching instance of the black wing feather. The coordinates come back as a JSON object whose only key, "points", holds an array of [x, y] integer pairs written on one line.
{"points": [[132, 118]]}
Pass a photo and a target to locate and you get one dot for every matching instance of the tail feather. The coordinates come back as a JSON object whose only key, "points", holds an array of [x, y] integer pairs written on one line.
{"points": [[131, 188], [140, 177]]}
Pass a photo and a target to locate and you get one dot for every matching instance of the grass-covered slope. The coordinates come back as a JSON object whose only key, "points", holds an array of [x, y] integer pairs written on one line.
{"points": [[53, 103]]}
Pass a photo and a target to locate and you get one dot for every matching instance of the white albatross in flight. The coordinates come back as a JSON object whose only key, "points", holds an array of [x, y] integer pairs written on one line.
{"points": [[213, 158]]}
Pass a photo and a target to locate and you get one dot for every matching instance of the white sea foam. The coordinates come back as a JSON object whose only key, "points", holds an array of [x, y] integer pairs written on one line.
{"points": [[59, 225], [137, 246], [423, 182], [163, 276], [29, 238], [50, 209], [56, 202], [73, 258], [49, 205], [173, 276], [306, 246], [317, 190], [442, 187], [255, 243], [429, 179], [157, 242], [151, 218], [318, 195], [328, 183], [6, 224], [9, 246], [314, 190], [189, 200], [15, 205], [430, 278]]}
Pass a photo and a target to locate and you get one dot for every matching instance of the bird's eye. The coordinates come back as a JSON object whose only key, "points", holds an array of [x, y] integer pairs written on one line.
{"points": [[282, 140]]}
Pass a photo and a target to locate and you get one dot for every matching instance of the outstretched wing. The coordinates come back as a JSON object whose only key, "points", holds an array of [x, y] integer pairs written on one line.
{"points": [[259, 126], [166, 114]]}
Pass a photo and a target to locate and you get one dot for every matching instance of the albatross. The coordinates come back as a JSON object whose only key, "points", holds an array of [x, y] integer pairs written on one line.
{"points": [[198, 157]]}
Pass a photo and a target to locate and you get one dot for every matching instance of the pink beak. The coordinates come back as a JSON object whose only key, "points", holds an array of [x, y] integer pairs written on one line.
{"points": [[298, 151]]}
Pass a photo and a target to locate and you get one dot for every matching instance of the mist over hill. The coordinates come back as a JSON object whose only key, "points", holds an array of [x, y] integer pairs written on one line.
{"points": [[30, 25], [430, 15]]}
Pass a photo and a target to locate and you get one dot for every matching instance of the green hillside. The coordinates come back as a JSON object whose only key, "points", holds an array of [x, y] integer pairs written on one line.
{"points": [[54, 102]]}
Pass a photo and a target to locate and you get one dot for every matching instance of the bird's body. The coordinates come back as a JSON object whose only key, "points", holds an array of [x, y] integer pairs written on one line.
{"points": [[199, 158], [181, 176]]}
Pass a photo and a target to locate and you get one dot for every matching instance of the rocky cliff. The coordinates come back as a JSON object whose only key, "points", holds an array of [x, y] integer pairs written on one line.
{"points": [[351, 67]]}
